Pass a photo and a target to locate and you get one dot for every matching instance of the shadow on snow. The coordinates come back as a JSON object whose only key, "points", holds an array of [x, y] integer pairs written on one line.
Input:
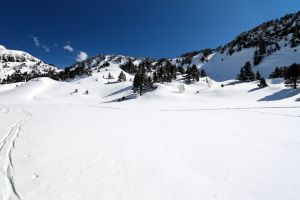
{"points": [[119, 91], [280, 95]]}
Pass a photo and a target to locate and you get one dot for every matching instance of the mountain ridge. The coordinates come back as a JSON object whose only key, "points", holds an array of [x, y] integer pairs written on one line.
{"points": [[272, 44]]}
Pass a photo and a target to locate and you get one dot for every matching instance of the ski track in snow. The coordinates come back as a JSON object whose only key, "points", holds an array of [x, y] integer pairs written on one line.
{"points": [[250, 109], [7, 144]]}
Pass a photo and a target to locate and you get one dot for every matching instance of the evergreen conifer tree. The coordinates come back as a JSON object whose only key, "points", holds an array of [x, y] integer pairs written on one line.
{"points": [[141, 82], [195, 74], [188, 76], [292, 76], [203, 73], [241, 75], [249, 75], [257, 75], [121, 77], [110, 76], [262, 83], [155, 77], [246, 73]]}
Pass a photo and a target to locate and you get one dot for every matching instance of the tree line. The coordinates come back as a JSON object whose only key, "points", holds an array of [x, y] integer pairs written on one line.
{"points": [[146, 74], [66, 74], [291, 74]]}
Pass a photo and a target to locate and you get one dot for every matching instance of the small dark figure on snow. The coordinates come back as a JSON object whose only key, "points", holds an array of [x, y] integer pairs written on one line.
{"points": [[75, 91]]}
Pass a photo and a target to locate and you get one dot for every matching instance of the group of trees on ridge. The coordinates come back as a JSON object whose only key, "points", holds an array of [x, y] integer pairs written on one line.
{"points": [[291, 75], [246, 75], [161, 72], [67, 73]]}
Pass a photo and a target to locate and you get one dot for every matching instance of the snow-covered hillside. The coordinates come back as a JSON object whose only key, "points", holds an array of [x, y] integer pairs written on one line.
{"points": [[12, 61], [202, 141], [100, 61], [272, 44], [222, 67], [91, 137]]}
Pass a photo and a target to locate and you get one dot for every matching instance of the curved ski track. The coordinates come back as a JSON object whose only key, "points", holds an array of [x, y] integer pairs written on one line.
{"points": [[7, 144]]}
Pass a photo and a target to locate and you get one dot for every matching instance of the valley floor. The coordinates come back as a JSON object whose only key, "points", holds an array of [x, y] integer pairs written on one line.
{"points": [[207, 143]]}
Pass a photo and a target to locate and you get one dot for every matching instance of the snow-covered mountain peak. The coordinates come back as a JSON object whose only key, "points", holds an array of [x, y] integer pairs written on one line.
{"points": [[14, 61], [100, 61], [2, 47]]}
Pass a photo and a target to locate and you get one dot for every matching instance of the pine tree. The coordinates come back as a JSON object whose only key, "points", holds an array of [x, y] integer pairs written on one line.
{"points": [[194, 73], [181, 70], [262, 46], [155, 77], [149, 82], [129, 67], [241, 75], [279, 72], [147, 64], [260, 52], [275, 73], [257, 76], [262, 83], [257, 57], [121, 77], [141, 82], [203, 73], [246, 73], [110, 76], [188, 76], [292, 76], [137, 83]]}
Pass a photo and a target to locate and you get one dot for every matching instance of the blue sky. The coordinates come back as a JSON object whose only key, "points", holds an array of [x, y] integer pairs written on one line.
{"points": [[57, 31]]}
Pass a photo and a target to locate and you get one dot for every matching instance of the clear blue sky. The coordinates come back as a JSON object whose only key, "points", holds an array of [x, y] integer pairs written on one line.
{"points": [[152, 28]]}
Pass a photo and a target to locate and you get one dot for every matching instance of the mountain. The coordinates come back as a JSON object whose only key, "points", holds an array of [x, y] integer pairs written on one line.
{"points": [[92, 137], [272, 44], [13, 61], [101, 61]]}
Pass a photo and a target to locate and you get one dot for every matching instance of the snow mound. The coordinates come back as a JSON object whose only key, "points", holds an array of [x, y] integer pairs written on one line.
{"points": [[2, 47]]}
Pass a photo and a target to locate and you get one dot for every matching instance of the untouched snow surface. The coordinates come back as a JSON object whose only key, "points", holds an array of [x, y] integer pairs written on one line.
{"points": [[202, 142]]}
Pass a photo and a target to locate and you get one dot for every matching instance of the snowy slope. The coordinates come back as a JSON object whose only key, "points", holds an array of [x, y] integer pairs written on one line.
{"points": [[280, 39], [99, 61], [222, 67], [196, 143]]}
